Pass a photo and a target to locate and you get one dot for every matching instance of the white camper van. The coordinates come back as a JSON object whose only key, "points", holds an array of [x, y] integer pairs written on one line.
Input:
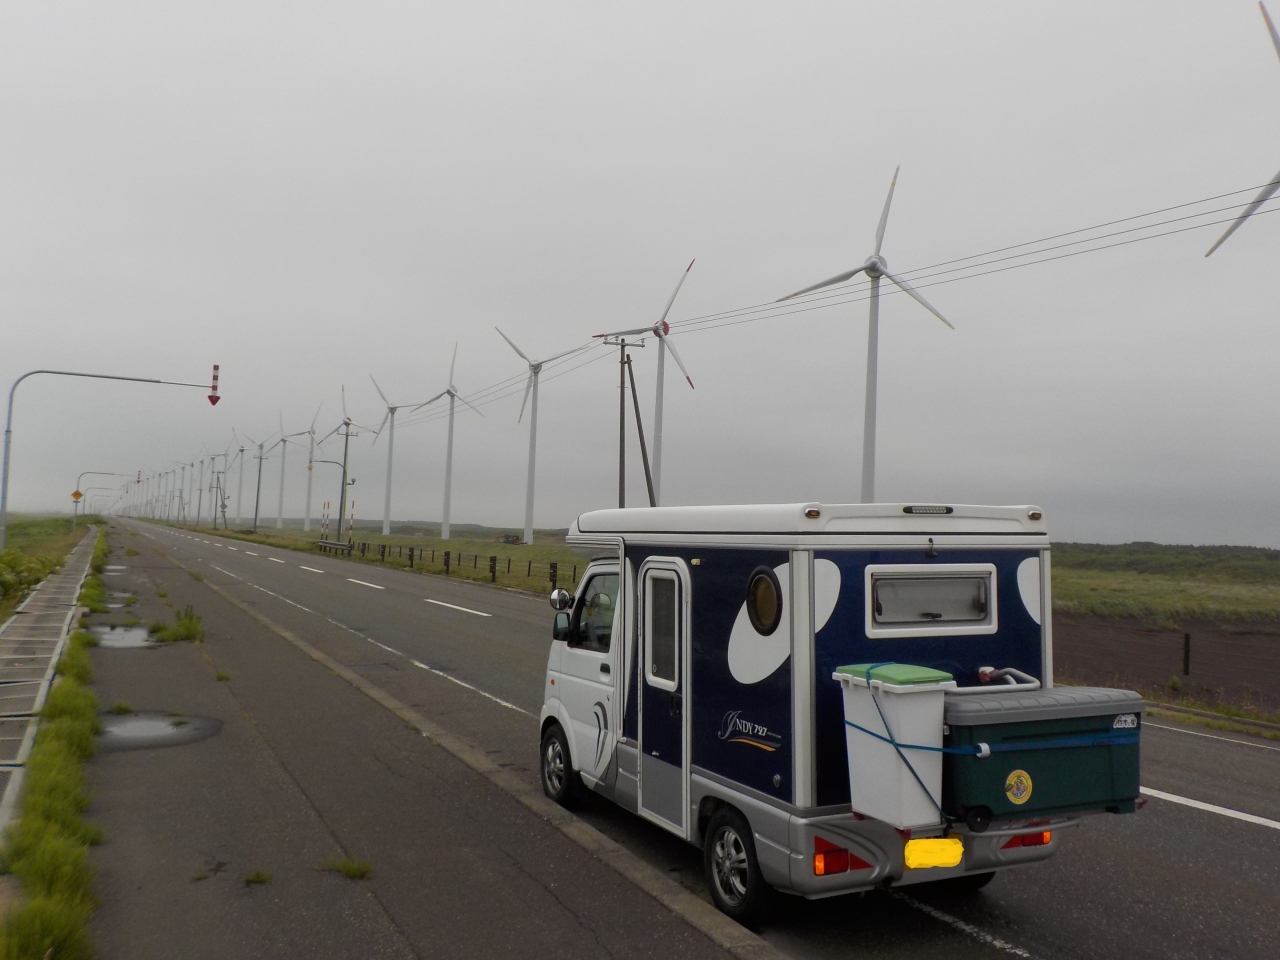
{"points": [[829, 698]]}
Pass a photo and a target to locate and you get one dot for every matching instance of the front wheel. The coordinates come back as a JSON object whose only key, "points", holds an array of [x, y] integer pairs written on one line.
{"points": [[733, 872], [559, 780]]}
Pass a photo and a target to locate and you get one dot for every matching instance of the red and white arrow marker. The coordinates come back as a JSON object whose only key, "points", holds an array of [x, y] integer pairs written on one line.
{"points": [[213, 397]]}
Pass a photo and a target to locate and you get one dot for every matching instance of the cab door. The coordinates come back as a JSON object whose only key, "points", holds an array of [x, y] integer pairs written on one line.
{"points": [[587, 670], [664, 647]]}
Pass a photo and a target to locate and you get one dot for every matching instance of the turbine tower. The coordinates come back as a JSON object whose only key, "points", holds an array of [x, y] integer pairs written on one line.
{"points": [[453, 396], [531, 385], [283, 443], [875, 268], [1274, 185], [661, 330], [311, 463], [391, 443]]}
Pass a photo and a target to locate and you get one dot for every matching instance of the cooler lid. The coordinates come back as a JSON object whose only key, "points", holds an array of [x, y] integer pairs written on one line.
{"points": [[899, 674], [971, 710]]}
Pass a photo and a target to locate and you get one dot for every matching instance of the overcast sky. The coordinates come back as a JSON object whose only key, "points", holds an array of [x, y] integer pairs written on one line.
{"points": [[311, 193]]}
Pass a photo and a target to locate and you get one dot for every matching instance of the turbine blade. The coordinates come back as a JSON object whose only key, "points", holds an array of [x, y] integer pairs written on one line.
{"points": [[379, 389], [513, 346], [432, 400], [884, 217], [1271, 27], [679, 284], [453, 362], [343, 388], [528, 385], [841, 278], [623, 333], [464, 400], [377, 433], [281, 413], [911, 292], [576, 349], [316, 417], [666, 342], [1249, 211]]}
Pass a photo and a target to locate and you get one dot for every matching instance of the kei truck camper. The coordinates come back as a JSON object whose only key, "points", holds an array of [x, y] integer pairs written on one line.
{"points": [[829, 698]]}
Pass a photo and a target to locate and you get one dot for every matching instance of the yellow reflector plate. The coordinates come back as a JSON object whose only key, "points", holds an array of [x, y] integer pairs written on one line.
{"points": [[933, 852]]}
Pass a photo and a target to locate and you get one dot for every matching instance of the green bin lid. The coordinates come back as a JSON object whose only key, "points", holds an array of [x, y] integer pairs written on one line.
{"points": [[901, 674]]}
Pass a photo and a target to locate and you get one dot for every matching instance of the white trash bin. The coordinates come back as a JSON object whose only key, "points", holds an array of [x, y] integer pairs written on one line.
{"points": [[880, 784]]}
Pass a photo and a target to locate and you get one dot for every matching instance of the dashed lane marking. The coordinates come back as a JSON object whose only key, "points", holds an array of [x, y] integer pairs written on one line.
{"points": [[463, 683], [1211, 808], [365, 583], [1210, 736], [236, 549], [250, 553], [957, 924], [275, 559], [312, 569], [454, 606]]}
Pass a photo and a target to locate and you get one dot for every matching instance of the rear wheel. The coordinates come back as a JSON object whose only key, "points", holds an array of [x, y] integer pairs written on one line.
{"points": [[559, 780], [733, 872]]}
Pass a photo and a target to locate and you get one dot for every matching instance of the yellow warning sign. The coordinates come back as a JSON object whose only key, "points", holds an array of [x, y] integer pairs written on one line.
{"points": [[76, 495]]}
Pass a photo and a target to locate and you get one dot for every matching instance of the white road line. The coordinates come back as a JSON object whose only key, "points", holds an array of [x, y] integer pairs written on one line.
{"points": [[250, 553], [452, 606], [463, 683], [1211, 808], [275, 560], [312, 569], [1210, 736], [227, 572], [365, 583], [957, 924], [236, 549]]}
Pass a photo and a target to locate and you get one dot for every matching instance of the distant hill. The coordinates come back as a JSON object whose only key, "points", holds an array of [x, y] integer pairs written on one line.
{"points": [[1237, 564]]}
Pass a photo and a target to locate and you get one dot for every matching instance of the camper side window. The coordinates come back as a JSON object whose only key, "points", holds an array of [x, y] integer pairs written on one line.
{"points": [[663, 613], [915, 600], [593, 626]]}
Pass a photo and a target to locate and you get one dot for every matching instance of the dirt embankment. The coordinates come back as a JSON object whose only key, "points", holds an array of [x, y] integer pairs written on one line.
{"points": [[1237, 663]]}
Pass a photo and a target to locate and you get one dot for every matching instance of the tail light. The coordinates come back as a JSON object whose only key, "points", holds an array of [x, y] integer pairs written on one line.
{"points": [[830, 859], [1038, 839]]}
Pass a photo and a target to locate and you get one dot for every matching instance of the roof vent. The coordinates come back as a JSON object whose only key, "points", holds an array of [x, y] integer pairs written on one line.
{"points": [[929, 509]]}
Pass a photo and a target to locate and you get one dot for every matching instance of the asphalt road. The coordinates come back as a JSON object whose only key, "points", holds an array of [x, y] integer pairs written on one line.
{"points": [[1172, 881]]}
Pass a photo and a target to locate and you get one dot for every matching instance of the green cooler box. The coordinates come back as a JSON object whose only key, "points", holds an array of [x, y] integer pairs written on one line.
{"points": [[1040, 753]]}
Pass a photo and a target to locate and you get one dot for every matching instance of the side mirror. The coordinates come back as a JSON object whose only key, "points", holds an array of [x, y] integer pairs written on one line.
{"points": [[561, 599], [561, 628]]}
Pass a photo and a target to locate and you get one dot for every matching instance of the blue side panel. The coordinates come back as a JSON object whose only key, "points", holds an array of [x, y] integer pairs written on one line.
{"points": [[631, 682], [739, 731], [843, 640]]}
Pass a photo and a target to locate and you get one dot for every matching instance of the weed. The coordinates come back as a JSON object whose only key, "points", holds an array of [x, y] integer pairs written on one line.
{"points": [[202, 875], [94, 594], [180, 722], [196, 575], [130, 552], [120, 708], [100, 552], [46, 927], [186, 626], [75, 662], [1174, 684], [130, 622], [222, 677], [130, 601], [257, 877], [162, 594], [84, 638], [349, 867]]}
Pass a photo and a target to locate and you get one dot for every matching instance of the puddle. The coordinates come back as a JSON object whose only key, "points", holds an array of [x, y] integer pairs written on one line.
{"points": [[116, 566], [122, 638], [146, 730]]}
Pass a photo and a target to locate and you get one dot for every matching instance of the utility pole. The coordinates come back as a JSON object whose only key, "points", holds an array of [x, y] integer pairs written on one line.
{"points": [[342, 497]]}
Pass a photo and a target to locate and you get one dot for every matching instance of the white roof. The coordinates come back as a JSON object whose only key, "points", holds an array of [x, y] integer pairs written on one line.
{"points": [[814, 518]]}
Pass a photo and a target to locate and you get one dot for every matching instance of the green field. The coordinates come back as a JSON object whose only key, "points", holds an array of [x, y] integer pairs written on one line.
{"points": [[34, 547], [1165, 584]]}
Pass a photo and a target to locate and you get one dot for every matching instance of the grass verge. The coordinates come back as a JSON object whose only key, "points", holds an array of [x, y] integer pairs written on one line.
{"points": [[186, 626], [47, 848]]}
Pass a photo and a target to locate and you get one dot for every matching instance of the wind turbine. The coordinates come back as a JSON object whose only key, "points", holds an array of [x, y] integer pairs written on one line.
{"points": [[661, 330], [311, 462], [453, 396], [875, 267], [1274, 185], [283, 444], [391, 442], [531, 385]]}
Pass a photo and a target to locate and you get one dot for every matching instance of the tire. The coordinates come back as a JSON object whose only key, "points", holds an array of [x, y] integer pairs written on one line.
{"points": [[559, 780], [732, 869], [964, 886]]}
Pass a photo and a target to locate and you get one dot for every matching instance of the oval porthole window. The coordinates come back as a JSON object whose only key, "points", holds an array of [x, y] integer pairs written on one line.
{"points": [[764, 601]]}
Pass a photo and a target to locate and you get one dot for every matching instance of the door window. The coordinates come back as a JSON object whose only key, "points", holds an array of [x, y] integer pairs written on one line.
{"points": [[662, 609], [593, 624]]}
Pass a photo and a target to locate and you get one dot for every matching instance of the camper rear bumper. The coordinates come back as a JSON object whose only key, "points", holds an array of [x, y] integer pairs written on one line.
{"points": [[876, 853]]}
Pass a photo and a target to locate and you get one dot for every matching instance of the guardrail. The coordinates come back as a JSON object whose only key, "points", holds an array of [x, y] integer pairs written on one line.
{"points": [[334, 546]]}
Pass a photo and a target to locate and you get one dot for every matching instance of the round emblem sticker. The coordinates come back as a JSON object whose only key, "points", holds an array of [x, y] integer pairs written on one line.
{"points": [[1017, 787]]}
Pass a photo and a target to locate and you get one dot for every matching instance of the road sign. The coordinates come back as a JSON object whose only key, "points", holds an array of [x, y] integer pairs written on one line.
{"points": [[76, 495], [213, 397]]}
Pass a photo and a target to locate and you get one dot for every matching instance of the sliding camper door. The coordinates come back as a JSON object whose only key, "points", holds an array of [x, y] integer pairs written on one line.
{"points": [[664, 644]]}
